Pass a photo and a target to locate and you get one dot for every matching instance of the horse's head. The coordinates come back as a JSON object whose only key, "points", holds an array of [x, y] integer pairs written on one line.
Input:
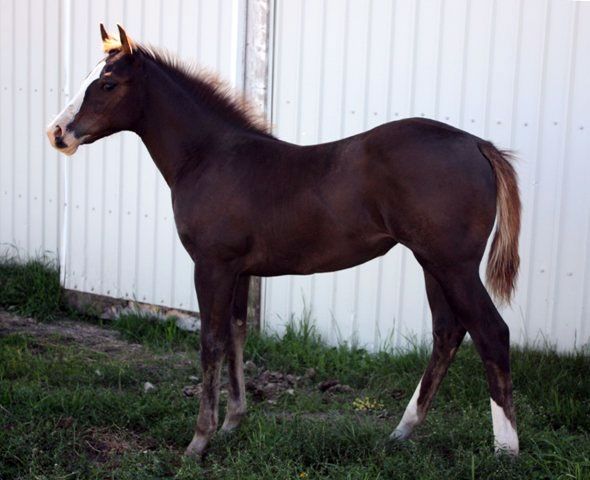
{"points": [[108, 101]]}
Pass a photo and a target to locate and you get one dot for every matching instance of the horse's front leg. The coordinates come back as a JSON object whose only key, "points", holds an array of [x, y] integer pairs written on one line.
{"points": [[215, 286], [236, 402]]}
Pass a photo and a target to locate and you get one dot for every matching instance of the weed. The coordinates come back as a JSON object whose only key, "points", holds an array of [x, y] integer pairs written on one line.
{"points": [[164, 335], [30, 288]]}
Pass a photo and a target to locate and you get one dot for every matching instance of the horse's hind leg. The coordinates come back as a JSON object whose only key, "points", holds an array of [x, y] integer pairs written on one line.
{"points": [[475, 310], [236, 403], [447, 336]]}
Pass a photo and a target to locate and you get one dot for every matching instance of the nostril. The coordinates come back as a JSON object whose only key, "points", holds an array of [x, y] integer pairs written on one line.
{"points": [[57, 132]]}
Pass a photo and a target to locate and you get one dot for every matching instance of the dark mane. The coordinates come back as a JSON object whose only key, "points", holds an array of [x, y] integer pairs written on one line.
{"points": [[211, 91]]}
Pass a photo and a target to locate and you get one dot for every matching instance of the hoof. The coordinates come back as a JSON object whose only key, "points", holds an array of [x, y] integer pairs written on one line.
{"points": [[400, 435], [505, 451], [231, 423], [196, 448]]}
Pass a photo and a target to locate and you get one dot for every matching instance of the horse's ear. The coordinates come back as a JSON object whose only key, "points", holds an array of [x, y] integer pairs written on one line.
{"points": [[104, 34], [126, 43]]}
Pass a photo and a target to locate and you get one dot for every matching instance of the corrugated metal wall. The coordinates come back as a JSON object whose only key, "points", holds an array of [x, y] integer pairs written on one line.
{"points": [[30, 92], [514, 72], [122, 241], [120, 238]]}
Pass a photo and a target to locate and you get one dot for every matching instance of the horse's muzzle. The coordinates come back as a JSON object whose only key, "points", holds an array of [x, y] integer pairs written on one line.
{"points": [[62, 139]]}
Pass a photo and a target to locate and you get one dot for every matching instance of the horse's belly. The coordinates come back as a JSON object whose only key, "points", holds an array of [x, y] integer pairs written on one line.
{"points": [[322, 257]]}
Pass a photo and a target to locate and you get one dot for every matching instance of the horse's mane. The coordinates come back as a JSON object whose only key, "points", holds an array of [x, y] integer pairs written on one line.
{"points": [[208, 87]]}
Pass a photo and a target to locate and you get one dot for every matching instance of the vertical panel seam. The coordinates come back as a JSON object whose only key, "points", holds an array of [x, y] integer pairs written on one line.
{"points": [[439, 54], [558, 214], [64, 244], [461, 120], [488, 86], [516, 77], [538, 154], [27, 197], [120, 202], [42, 195]]}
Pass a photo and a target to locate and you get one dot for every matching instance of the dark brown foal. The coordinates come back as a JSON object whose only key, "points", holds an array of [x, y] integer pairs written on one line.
{"points": [[246, 203]]}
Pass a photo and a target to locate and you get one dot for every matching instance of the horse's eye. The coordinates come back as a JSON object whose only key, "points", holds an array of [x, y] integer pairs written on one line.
{"points": [[108, 86]]}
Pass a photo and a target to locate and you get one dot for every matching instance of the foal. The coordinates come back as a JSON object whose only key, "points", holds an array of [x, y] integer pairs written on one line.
{"points": [[246, 203]]}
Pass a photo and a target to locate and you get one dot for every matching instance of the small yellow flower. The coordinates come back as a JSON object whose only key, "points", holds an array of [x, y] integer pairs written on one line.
{"points": [[303, 475], [366, 404]]}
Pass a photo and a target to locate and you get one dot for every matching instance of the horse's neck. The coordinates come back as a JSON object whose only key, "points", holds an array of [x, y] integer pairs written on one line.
{"points": [[174, 127]]}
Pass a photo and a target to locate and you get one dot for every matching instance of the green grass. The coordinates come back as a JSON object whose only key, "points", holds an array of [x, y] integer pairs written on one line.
{"points": [[30, 288], [159, 335], [69, 410]]}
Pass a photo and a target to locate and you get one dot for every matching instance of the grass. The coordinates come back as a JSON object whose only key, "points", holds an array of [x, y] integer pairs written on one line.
{"points": [[30, 288], [72, 410]]}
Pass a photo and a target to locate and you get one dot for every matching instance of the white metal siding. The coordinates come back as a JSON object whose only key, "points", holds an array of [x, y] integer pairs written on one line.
{"points": [[513, 72], [30, 84], [120, 238]]}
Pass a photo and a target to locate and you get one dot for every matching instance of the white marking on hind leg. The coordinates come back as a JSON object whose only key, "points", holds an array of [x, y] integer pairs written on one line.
{"points": [[410, 419], [505, 436]]}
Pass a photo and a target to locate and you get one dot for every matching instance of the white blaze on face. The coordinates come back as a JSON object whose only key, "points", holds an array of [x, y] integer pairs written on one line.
{"points": [[63, 119], [505, 436]]}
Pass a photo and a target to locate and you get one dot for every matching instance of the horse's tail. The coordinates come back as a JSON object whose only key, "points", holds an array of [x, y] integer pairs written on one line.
{"points": [[503, 261]]}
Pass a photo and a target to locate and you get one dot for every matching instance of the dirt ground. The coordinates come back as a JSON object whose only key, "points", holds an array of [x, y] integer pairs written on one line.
{"points": [[93, 337], [264, 385]]}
